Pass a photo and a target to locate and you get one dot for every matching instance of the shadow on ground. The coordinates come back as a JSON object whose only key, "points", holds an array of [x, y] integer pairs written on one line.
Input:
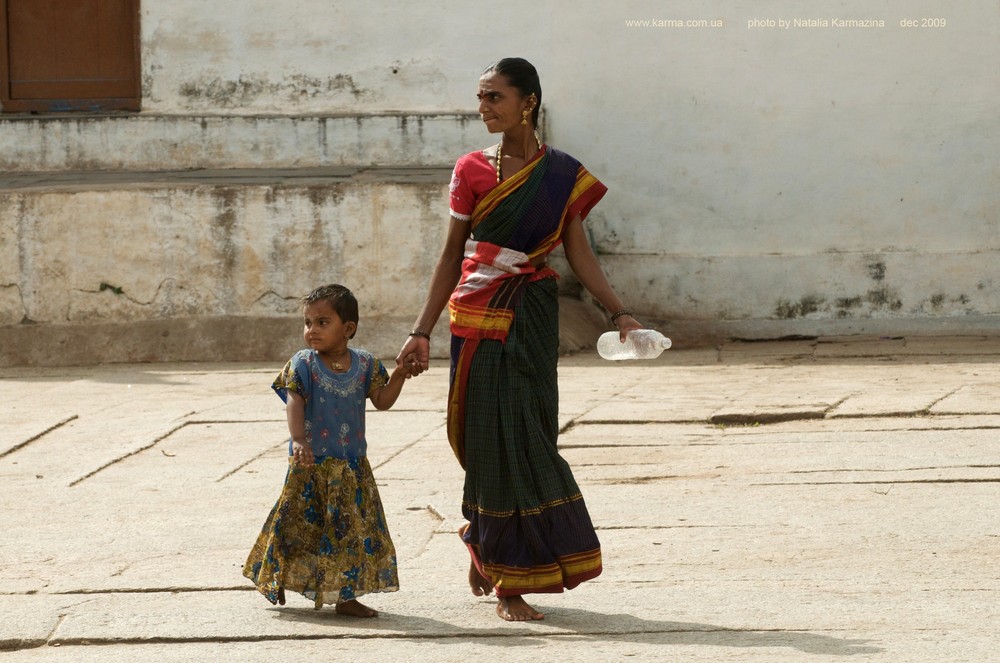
{"points": [[574, 625]]}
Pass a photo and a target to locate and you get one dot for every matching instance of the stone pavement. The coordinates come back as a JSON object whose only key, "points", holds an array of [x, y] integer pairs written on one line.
{"points": [[830, 499]]}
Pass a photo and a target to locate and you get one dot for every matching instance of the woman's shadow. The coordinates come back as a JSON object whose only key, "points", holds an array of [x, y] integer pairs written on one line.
{"points": [[574, 625]]}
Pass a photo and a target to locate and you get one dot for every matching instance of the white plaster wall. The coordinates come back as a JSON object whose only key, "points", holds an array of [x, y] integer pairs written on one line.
{"points": [[182, 250], [751, 170], [314, 56], [786, 180], [773, 166]]}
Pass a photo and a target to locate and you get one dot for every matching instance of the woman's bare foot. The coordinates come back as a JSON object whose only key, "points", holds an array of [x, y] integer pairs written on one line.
{"points": [[515, 609], [481, 586], [354, 609], [281, 596]]}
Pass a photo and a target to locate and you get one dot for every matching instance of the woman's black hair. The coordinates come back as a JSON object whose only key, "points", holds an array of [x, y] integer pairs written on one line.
{"points": [[521, 75]]}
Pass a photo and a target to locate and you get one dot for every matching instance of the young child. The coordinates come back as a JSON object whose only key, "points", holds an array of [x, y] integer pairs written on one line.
{"points": [[326, 536]]}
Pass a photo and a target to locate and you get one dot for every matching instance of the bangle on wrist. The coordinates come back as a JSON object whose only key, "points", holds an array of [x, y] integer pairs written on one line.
{"points": [[421, 334], [618, 314]]}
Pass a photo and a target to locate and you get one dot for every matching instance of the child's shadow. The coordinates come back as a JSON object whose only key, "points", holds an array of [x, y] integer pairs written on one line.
{"points": [[573, 625]]}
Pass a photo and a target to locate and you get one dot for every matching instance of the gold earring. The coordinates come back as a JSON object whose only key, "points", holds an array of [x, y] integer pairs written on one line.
{"points": [[524, 116]]}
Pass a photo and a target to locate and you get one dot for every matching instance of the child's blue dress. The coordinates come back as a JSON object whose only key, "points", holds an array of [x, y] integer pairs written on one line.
{"points": [[326, 536]]}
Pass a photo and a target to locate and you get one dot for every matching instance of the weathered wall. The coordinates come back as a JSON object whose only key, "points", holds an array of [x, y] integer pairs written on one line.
{"points": [[210, 56], [809, 180], [211, 266], [756, 173], [112, 261], [764, 180], [260, 248], [153, 142]]}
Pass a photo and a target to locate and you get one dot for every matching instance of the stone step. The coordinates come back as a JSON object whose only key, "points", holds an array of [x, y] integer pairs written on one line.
{"points": [[149, 266], [69, 181], [147, 142], [210, 264]]}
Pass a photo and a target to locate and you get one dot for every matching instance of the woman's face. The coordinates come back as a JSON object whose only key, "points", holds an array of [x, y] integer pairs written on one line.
{"points": [[501, 106]]}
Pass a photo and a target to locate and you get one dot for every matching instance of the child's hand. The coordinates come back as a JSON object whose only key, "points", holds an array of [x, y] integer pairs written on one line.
{"points": [[415, 353], [406, 369], [302, 453]]}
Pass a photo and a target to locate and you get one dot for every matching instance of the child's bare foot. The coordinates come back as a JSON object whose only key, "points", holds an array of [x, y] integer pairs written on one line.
{"points": [[281, 596], [515, 609], [354, 609], [481, 586]]}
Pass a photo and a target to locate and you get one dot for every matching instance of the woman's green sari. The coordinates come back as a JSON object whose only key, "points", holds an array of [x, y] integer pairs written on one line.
{"points": [[529, 530]]}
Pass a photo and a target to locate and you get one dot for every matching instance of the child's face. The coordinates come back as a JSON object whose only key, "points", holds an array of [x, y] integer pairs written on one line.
{"points": [[323, 329]]}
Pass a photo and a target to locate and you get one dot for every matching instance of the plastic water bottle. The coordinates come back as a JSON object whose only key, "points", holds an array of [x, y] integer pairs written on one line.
{"points": [[640, 344]]}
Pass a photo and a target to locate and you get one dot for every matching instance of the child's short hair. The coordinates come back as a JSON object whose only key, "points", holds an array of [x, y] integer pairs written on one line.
{"points": [[340, 299]]}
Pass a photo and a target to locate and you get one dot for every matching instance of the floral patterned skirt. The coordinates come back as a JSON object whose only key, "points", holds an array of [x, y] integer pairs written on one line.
{"points": [[326, 536]]}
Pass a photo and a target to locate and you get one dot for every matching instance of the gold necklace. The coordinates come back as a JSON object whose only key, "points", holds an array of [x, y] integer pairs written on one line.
{"points": [[500, 155], [336, 365]]}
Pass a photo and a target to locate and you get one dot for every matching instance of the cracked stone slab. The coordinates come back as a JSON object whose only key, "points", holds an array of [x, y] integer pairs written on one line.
{"points": [[873, 506], [678, 407], [743, 617], [606, 435], [873, 424], [637, 392], [17, 432], [30, 620], [792, 453], [431, 459], [757, 413], [890, 400], [981, 398], [686, 644], [246, 616], [717, 591], [811, 539]]}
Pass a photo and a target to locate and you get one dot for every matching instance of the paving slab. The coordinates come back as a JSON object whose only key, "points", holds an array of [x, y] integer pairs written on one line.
{"points": [[851, 513], [978, 398]]}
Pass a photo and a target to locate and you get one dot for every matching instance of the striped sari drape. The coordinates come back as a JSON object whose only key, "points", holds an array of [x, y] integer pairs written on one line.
{"points": [[529, 529]]}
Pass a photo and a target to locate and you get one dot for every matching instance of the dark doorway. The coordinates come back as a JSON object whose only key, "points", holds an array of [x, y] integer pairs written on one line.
{"points": [[69, 55]]}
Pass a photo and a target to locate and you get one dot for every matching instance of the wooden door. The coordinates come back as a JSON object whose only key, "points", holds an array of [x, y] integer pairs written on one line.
{"points": [[65, 55]]}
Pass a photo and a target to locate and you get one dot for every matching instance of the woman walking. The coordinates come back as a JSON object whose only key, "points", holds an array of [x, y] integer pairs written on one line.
{"points": [[511, 204]]}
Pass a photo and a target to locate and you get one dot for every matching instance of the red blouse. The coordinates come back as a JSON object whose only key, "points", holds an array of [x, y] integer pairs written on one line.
{"points": [[474, 177]]}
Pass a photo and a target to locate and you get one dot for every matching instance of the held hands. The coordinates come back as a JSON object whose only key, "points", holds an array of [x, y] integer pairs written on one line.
{"points": [[414, 355], [302, 453], [404, 369]]}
